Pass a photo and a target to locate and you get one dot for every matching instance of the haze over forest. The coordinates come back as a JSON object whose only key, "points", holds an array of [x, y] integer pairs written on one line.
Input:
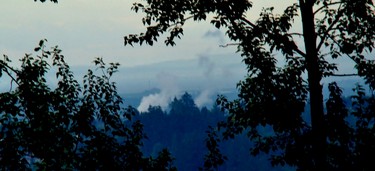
{"points": [[91, 85], [89, 29]]}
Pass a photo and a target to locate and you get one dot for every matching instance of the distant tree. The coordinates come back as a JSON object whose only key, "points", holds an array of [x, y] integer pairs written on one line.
{"points": [[156, 111], [184, 106], [68, 127], [275, 96], [184, 135]]}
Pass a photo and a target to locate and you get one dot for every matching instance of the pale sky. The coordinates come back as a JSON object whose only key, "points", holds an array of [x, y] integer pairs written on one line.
{"points": [[89, 28], [85, 29]]}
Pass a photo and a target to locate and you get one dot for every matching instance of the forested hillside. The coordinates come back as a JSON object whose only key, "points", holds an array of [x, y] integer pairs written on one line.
{"points": [[182, 130]]}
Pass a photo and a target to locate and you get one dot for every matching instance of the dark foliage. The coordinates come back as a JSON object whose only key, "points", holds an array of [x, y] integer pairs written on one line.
{"points": [[193, 141], [273, 96], [181, 130], [69, 127]]}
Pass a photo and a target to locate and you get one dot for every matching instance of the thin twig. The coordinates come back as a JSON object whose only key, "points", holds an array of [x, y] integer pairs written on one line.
{"points": [[295, 34], [229, 44], [11, 85], [269, 34], [343, 75], [10, 75], [183, 20], [323, 38], [333, 3]]}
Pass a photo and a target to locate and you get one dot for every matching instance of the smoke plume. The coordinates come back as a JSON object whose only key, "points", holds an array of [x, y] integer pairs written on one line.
{"points": [[168, 90]]}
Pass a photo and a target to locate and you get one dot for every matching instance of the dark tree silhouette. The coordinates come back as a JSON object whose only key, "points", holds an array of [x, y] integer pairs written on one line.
{"points": [[274, 96], [184, 134], [69, 127], [184, 106]]}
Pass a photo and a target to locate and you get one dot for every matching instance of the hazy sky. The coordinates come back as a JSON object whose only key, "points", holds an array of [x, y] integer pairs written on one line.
{"points": [[88, 28], [85, 29]]}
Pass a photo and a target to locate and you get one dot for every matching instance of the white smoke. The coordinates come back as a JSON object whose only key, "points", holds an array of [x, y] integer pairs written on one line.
{"points": [[216, 33], [205, 97], [208, 66], [168, 90], [211, 79]]}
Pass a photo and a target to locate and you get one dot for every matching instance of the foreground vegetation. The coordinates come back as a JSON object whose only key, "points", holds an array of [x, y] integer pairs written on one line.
{"points": [[69, 127]]}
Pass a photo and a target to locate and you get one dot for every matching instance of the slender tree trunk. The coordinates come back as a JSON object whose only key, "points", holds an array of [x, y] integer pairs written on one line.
{"points": [[315, 88]]}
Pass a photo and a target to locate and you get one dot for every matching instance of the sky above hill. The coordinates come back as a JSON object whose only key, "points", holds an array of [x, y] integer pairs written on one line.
{"points": [[89, 28], [85, 29]]}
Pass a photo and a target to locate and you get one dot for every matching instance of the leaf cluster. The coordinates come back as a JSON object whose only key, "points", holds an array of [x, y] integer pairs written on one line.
{"points": [[171, 15]]}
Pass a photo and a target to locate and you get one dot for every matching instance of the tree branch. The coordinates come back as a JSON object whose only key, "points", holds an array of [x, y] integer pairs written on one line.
{"points": [[323, 38], [295, 34], [350, 57], [343, 75], [322, 7], [229, 44], [248, 22], [181, 22], [269, 34], [8, 73], [13, 79]]}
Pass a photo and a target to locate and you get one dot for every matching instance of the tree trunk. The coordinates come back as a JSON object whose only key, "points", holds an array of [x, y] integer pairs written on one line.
{"points": [[315, 88]]}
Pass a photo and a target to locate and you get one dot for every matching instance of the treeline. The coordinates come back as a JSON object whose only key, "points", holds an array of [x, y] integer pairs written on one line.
{"points": [[182, 130], [77, 126]]}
